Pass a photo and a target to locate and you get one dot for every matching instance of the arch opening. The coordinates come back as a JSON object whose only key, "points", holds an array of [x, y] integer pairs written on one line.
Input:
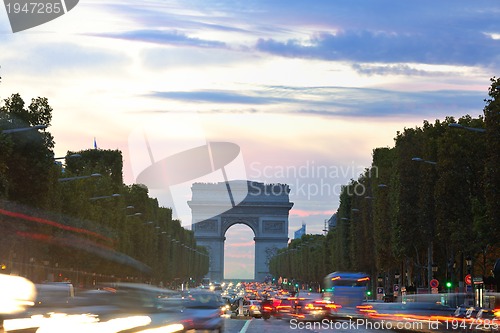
{"points": [[239, 252]]}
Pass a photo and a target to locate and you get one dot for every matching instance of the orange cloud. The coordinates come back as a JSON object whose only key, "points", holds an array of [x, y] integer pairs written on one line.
{"points": [[245, 244], [307, 213]]}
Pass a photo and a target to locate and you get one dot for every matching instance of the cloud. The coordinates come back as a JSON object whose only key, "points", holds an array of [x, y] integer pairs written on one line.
{"points": [[220, 96], [432, 47], [308, 213], [396, 69], [165, 37], [245, 244], [339, 101], [62, 57]]}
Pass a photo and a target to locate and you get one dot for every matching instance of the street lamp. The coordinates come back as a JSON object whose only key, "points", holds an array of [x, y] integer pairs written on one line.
{"points": [[114, 195], [396, 278], [79, 177], [380, 279], [418, 159], [69, 156], [23, 129], [468, 262], [430, 248], [472, 129]]}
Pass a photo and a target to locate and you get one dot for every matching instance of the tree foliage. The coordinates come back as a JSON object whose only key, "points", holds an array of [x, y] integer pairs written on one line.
{"points": [[432, 199], [78, 219]]}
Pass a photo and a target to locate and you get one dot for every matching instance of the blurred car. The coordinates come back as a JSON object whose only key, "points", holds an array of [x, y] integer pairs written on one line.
{"points": [[309, 310], [284, 308], [252, 308], [130, 308], [202, 311], [55, 294]]}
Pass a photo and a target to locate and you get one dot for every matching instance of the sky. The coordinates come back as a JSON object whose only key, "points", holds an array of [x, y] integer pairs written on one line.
{"points": [[306, 89]]}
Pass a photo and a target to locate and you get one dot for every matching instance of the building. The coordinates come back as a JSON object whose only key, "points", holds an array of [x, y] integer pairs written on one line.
{"points": [[298, 233], [332, 222]]}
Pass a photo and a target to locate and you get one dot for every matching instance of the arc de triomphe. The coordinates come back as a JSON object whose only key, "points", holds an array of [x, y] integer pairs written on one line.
{"points": [[218, 206]]}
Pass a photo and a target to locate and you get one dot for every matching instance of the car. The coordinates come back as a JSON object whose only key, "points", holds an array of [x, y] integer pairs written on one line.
{"points": [[284, 307], [202, 310], [308, 310], [128, 307], [252, 308]]}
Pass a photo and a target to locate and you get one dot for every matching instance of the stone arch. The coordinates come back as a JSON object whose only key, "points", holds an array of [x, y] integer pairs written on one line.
{"points": [[264, 209], [228, 222]]}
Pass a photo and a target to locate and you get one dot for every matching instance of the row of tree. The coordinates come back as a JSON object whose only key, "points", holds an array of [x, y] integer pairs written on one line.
{"points": [[75, 218], [424, 209]]}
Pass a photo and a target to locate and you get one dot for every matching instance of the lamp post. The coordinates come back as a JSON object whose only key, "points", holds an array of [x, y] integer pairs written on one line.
{"points": [[430, 247], [468, 263], [397, 285]]}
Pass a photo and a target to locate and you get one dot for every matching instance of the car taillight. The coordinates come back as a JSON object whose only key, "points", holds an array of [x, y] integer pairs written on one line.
{"points": [[310, 306], [365, 308], [268, 308]]}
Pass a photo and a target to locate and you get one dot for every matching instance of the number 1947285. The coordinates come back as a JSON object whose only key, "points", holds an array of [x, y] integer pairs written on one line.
{"points": [[471, 324], [34, 8]]}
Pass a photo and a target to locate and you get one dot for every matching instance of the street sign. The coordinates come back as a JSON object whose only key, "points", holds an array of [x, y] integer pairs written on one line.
{"points": [[396, 288], [434, 290], [434, 283], [468, 279], [380, 293], [477, 280]]}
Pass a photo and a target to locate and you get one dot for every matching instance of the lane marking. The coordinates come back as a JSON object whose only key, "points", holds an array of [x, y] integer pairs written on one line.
{"points": [[245, 327]]}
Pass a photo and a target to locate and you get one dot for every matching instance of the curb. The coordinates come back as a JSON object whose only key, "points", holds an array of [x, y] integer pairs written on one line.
{"points": [[240, 317]]}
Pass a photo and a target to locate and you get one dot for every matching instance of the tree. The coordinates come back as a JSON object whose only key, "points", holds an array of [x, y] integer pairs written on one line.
{"points": [[29, 166], [492, 176]]}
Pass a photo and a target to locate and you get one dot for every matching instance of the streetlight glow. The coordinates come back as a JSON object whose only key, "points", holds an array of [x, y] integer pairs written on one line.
{"points": [[419, 159], [69, 156], [114, 195], [23, 129], [472, 129], [79, 177]]}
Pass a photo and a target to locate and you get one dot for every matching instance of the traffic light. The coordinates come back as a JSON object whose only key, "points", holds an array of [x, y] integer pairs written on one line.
{"points": [[448, 284], [368, 293]]}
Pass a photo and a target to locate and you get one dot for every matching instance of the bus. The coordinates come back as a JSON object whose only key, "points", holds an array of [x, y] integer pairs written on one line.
{"points": [[346, 290], [205, 282]]}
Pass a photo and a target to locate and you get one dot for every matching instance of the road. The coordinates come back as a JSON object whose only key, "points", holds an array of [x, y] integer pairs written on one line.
{"points": [[276, 325]]}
